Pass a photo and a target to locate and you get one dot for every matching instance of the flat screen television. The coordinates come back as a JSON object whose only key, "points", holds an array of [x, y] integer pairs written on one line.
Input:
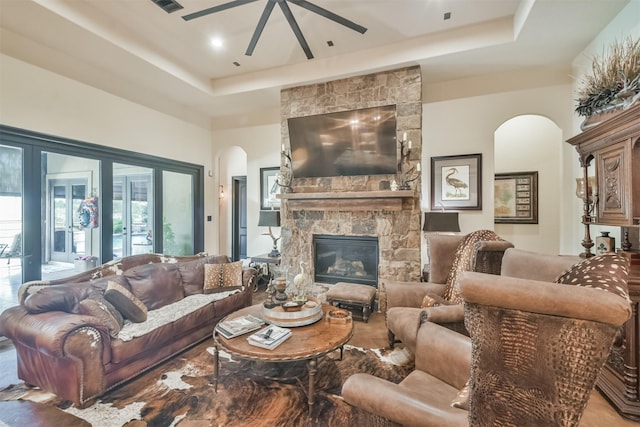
{"points": [[356, 142]]}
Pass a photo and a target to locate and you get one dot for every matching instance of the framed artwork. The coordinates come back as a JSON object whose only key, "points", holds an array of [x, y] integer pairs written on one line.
{"points": [[456, 182], [515, 198], [269, 188]]}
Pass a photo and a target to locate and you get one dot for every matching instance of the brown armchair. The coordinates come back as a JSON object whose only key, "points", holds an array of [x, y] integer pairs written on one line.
{"points": [[539, 346], [481, 251], [423, 398]]}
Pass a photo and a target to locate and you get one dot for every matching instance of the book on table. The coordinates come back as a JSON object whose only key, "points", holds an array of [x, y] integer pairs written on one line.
{"points": [[269, 337], [238, 326]]}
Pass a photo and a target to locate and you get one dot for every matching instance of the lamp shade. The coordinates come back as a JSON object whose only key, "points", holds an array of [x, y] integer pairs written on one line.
{"points": [[269, 219], [441, 221]]}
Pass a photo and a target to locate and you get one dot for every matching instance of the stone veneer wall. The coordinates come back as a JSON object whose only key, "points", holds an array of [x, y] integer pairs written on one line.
{"points": [[398, 232]]}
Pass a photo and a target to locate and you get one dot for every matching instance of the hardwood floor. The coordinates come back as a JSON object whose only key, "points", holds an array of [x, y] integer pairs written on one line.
{"points": [[599, 412]]}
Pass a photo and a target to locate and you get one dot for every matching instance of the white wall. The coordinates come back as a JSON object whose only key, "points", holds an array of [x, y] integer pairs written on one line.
{"points": [[41, 101], [232, 162]]}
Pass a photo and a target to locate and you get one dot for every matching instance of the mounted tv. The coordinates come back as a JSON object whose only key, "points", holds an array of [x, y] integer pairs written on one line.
{"points": [[347, 143]]}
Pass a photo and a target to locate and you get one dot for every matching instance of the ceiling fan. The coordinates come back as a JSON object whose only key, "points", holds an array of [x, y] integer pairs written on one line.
{"points": [[287, 13]]}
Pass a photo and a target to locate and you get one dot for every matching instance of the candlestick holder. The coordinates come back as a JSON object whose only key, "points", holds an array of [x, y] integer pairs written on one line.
{"points": [[406, 172], [284, 178]]}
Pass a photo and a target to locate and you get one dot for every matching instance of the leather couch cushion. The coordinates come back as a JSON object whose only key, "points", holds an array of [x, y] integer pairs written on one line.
{"points": [[608, 272], [107, 315], [219, 277], [156, 285], [130, 306]]}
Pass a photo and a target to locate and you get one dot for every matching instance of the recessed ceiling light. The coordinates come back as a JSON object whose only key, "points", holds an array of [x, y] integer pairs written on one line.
{"points": [[217, 42]]}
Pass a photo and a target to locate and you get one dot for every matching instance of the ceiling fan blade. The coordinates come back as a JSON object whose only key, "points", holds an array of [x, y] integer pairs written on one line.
{"points": [[215, 9], [294, 26], [329, 15], [261, 23]]}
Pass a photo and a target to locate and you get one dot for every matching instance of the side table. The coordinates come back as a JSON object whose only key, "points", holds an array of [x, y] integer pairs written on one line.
{"points": [[267, 261]]}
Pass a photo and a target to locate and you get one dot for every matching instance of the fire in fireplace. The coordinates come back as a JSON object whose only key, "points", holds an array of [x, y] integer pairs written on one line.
{"points": [[346, 259]]}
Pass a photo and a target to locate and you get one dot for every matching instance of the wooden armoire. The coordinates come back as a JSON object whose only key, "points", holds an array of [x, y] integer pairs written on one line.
{"points": [[614, 147]]}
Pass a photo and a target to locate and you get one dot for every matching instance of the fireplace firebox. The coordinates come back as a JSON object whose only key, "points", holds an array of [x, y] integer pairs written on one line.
{"points": [[346, 259]]}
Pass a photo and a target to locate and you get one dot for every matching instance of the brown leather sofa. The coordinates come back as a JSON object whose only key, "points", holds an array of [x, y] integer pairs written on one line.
{"points": [[77, 357]]}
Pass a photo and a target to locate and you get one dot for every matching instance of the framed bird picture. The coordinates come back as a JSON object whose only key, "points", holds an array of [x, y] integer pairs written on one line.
{"points": [[456, 182]]}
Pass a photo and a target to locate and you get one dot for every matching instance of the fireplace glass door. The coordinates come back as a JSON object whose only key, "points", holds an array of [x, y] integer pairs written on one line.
{"points": [[351, 259]]}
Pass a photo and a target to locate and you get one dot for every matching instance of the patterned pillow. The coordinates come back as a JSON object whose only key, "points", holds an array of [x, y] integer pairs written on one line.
{"points": [[608, 272], [107, 315], [462, 261], [127, 303], [428, 301], [217, 277]]}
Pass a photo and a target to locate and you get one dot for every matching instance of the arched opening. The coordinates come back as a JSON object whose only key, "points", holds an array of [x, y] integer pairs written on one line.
{"points": [[532, 143]]}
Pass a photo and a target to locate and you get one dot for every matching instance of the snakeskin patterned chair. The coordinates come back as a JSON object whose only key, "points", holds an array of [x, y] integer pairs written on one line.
{"points": [[538, 346]]}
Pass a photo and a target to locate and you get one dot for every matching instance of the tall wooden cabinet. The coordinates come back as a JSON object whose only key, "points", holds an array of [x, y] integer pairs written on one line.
{"points": [[614, 147]]}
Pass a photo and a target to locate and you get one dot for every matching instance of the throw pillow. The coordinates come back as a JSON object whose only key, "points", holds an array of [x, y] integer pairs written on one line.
{"points": [[156, 284], [217, 277], [428, 301], [57, 298], [97, 306], [461, 400], [608, 272], [130, 306], [462, 261], [192, 273]]}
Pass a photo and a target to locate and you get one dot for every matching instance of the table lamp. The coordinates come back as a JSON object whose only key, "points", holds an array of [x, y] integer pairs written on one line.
{"points": [[271, 219], [441, 222]]}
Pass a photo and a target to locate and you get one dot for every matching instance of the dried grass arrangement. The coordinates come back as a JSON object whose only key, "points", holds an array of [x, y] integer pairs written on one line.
{"points": [[615, 79]]}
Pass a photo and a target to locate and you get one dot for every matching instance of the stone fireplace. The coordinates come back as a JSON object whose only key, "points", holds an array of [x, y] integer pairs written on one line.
{"points": [[356, 206], [352, 259]]}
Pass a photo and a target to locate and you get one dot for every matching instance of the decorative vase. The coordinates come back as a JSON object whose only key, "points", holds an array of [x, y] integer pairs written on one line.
{"points": [[605, 243]]}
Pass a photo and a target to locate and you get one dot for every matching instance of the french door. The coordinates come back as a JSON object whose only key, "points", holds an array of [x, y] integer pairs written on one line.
{"points": [[67, 230]]}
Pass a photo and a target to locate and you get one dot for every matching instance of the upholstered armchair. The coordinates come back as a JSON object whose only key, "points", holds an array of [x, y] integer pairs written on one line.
{"points": [[404, 302], [424, 397], [538, 346]]}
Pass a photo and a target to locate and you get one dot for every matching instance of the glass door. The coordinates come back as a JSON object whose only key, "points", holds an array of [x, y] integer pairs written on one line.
{"points": [[11, 161], [132, 210], [71, 214], [68, 219], [177, 213]]}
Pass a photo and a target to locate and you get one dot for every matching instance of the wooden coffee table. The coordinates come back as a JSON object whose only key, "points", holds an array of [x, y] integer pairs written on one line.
{"points": [[306, 343]]}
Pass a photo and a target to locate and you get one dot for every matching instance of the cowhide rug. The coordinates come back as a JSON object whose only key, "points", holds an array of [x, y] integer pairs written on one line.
{"points": [[181, 392]]}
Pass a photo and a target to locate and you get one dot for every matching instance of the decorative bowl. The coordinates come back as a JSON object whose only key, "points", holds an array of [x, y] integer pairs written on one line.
{"points": [[292, 305]]}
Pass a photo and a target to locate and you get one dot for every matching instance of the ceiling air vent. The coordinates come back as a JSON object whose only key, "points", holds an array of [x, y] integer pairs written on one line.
{"points": [[168, 5]]}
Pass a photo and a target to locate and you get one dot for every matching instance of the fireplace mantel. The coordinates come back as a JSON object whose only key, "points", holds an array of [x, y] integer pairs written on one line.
{"points": [[348, 200]]}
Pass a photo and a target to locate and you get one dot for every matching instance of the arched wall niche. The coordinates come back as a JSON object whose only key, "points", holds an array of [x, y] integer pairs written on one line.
{"points": [[528, 143]]}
